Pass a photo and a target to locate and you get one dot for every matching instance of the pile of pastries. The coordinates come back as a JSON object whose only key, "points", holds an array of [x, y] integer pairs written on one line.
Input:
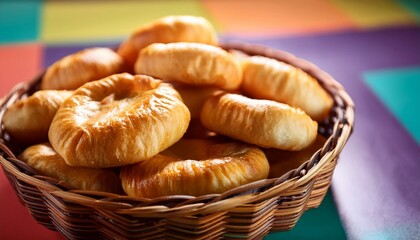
{"points": [[168, 113]]}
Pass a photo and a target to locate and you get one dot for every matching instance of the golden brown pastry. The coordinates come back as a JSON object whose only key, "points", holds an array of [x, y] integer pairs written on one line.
{"points": [[118, 120], [79, 68], [283, 161], [268, 78], [47, 162], [195, 167], [166, 30], [262, 122], [194, 97], [29, 119], [191, 63]]}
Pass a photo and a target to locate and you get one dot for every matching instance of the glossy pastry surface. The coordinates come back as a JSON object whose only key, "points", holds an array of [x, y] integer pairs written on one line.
{"points": [[267, 78], [191, 63], [195, 167], [46, 161], [118, 120], [79, 68], [166, 30], [29, 119], [262, 122]]}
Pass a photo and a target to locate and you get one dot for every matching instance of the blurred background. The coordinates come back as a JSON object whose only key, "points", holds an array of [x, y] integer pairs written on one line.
{"points": [[372, 47]]}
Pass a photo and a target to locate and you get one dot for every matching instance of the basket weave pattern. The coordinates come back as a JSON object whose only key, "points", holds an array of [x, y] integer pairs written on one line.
{"points": [[250, 211]]}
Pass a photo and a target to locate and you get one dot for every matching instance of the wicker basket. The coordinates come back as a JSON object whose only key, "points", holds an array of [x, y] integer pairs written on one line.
{"points": [[250, 211]]}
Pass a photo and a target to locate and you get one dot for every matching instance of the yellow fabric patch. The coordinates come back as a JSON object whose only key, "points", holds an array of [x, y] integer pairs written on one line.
{"points": [[66, 21], [278, 17]]}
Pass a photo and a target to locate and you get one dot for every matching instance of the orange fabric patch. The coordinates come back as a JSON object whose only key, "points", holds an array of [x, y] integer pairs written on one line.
{"points": [[277, 17]]}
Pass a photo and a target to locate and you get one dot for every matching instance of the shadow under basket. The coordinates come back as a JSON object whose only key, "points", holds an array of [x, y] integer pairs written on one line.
{"points": [[250, 211]]}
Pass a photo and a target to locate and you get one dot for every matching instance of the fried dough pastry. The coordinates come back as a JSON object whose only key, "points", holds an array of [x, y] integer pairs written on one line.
{"points": [[166, 30], [29, 119], [118, 120], [191, 63], [267, 78], [46, 161], [195, 167], [261, 122], [79, 68]]}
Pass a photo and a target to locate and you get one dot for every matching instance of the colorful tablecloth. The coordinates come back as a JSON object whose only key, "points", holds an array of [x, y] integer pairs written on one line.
{"points": [[372, 47]]}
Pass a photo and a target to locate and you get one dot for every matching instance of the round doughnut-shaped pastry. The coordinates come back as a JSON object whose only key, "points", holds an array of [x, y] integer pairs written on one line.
{"points": [[267, 78], [79, 68], [29, 119], [194, 97], [166, 30], [261, 122], [118, 120], [46, 161], [191, 63], [195, 167]]}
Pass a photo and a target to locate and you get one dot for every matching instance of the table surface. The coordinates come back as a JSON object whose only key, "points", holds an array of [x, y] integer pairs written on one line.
{"points": [[371, 47]]}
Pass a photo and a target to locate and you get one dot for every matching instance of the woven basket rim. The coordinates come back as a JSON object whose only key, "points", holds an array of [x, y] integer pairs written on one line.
{"points": [[341, 123]]}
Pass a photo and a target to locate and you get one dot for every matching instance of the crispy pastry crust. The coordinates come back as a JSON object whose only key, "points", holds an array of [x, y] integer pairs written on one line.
{"points": [[166, 30], [268, 78], [118, 120], [79, 68], [262, 122], [29, 119], [195, 167], [46, 161], [191, 63]]}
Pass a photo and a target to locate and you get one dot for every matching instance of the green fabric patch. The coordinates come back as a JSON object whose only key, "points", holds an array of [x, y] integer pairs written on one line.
{"points": [[320, 223], [399, 89], [19, 21], [413, 6]]}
